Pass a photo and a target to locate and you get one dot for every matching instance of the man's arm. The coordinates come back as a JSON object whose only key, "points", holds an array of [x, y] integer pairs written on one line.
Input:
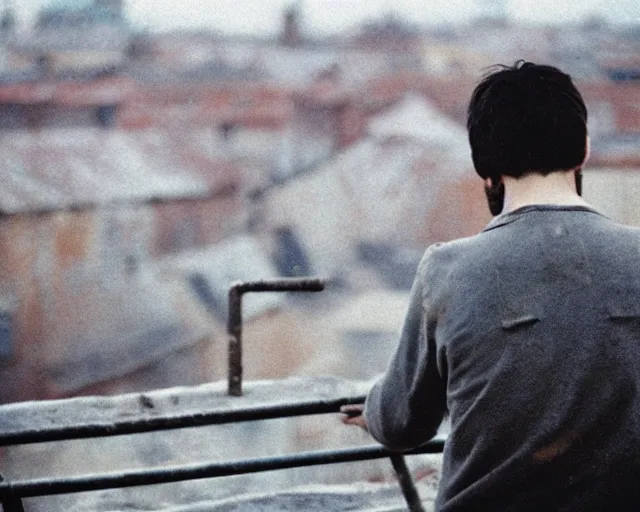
{"points": [[406, 406]]}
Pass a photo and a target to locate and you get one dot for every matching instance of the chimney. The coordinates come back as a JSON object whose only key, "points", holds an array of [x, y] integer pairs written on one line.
{"points": [[291, 30]]}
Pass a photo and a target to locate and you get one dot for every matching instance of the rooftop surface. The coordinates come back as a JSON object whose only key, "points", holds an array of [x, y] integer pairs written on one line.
{"points": [[60, 168]]}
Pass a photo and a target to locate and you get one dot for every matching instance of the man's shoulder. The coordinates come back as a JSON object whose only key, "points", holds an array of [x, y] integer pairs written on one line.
{"points": [[441, 256], [458, 247], [625, 230]]}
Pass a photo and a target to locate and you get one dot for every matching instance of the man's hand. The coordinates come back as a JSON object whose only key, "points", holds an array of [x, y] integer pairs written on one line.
{"points": [[353, 415]]}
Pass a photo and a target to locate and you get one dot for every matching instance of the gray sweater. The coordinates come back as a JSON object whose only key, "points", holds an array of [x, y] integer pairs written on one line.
{"points": [[528, 336]]}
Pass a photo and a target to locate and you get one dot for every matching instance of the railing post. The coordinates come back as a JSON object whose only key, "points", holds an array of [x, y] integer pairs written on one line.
{"points": [[11, 503], [234, 318], [409, 490], [234, 331]]}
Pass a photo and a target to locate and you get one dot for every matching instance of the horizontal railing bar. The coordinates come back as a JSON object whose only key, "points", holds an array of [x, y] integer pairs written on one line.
{"points": [[284, 284], [138, 426], [50, 486]]}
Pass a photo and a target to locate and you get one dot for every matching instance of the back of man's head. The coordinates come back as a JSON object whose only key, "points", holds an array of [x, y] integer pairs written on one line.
{"points": [[526, 118]]}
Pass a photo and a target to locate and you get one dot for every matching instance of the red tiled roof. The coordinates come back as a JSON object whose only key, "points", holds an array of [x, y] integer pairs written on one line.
{"points": [[108, 90]]}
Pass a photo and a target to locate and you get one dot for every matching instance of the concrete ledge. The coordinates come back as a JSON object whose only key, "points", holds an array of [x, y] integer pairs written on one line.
{"points": [[170, 401]]}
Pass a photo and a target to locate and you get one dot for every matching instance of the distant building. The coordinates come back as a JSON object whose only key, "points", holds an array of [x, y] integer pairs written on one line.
{"points": [[65, 13], [70, 36], [84, 214], [76, 99], [391, 34]]}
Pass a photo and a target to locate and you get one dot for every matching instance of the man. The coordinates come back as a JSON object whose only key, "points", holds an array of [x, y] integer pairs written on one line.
{"points": [[528, 334]]}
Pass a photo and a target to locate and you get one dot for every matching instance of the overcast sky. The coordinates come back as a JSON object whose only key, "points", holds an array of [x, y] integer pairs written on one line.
{"points": [[263, 16]]}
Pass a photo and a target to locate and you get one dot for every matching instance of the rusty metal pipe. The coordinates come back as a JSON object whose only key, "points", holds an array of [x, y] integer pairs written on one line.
{"points": [[187, 420], [10, 502], [286, 284], [234, 319], [234, 332], [139, 477]]}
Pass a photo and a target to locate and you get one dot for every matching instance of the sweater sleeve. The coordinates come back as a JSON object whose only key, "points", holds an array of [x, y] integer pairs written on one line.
{"points": [[405, 407]]}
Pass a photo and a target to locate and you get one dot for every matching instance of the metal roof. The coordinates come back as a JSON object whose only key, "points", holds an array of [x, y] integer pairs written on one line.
{"points": [[61, 168]]}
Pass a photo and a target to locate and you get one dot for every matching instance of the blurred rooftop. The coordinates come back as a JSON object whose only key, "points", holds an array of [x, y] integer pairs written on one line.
{"points": [[69, 168]]}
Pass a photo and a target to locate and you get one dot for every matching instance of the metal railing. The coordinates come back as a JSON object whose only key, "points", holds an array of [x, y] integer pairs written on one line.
{"points": [[13, 492]]}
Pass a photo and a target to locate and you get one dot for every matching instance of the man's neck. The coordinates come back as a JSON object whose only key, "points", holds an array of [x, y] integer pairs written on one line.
{"points": [[555, 188]]}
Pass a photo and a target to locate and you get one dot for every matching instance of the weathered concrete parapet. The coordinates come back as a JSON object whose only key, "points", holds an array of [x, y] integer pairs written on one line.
{"points": [[209, 443], [171, 401]]}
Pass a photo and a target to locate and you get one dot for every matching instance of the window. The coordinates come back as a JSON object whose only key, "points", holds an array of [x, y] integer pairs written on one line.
{"points": [[107, 116]]}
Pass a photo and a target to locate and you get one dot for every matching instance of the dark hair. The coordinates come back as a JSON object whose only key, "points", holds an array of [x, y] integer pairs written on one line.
{"points": [[526, 118]]}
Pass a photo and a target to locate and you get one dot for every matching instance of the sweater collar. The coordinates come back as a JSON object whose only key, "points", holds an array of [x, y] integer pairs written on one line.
{"points": [[507, 218]]}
